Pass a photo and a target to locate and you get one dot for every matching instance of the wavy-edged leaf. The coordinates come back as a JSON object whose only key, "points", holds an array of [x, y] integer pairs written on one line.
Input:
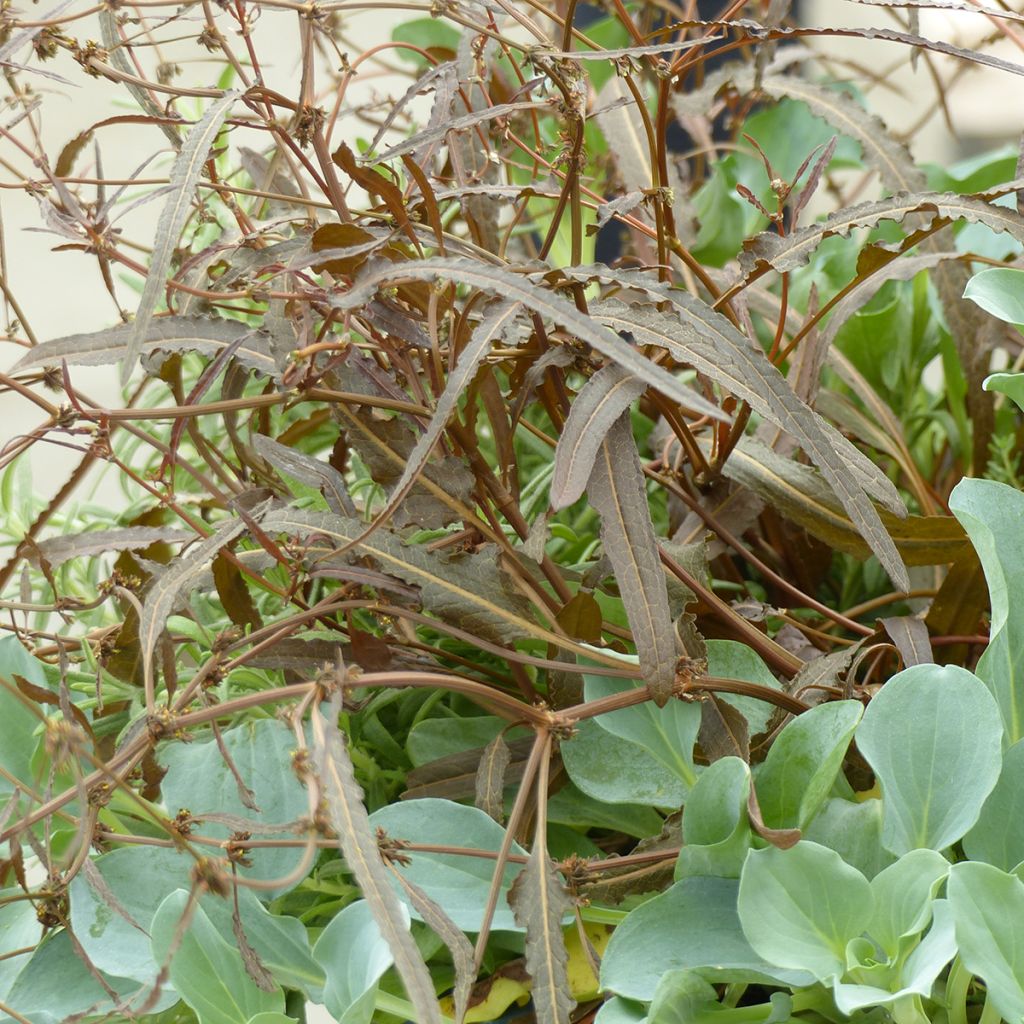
{"points": [[774, 252], [601, 401], [539, 901], [307, 470], [498, 320], [115, 54], [362, 857], [439, 496], [163, 334], [164, 594], [430, 912], [697, 335], [470, 590], [889, 157], [616, 489], [183, 179], [801, 495], [517, 288], [490, 778], [910, 635], [454, 124], [723, 730], [58, 550]]}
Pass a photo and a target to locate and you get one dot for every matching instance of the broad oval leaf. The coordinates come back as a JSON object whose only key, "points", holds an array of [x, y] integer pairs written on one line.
{"points": [[353, 955], [616, 771], [693, 925], [991, 513], [207, 970], [854, 830], [667, 733], [113, 925], [800, 907], [998, 836], [988, 908], [459, 884], [716, 828], [199, 780], [903, 895], [999, 291], [803, 763], [932, 735]]}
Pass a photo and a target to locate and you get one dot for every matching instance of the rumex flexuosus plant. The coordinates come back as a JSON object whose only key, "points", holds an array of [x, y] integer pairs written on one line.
{"points": [[509, 493]]}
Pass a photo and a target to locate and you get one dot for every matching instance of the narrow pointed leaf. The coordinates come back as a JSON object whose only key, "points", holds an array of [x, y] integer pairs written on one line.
{"points": [[696, 334], [517, 288], [362, 857], [205, 335], [184, 177], [495, 324], [601, 401], [490, 778], [167, 588], [616, 489], [470, 591], [539, 901], [307, 470]]}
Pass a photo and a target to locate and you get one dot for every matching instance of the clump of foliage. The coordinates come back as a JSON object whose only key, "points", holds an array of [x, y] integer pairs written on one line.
{"points": [[512, 477]]}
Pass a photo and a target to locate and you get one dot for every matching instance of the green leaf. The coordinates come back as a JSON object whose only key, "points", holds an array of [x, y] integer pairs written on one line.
{"points": [[988, 907], [19, 929], [998, 836], [621, 1011], [932, 736], [616, 771], [694, 925], [800, 907], [991, 513], [680, 998], [903, 895], [354, 955], [854, 831], [918, 972], [999, 291], [206, 970], [456, 883], [137, 880], [18, 725], [56, 985], [198, 779], [427, 34], [273, 1018], [281, 943], [715, 823], [730, 659], [1011, 384], [803, 763], [667, 734]]}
